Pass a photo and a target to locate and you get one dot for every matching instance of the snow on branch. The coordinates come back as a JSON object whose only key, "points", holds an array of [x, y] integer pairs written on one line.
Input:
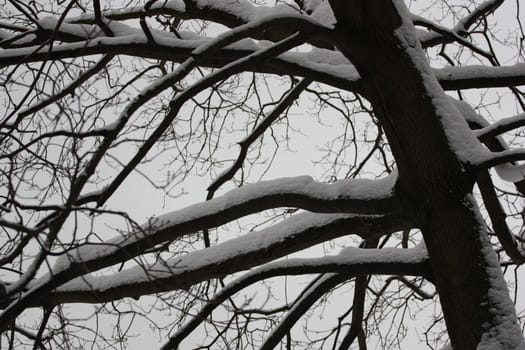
{"points": [[501, 158], [333, 70], [413, 261], [502, 162], [437, 37], [302, 192], [451, 34], [468, 77], [350, 196], [227, 13], [501, 126], [294, 234], [224, 12], [505, 167]]}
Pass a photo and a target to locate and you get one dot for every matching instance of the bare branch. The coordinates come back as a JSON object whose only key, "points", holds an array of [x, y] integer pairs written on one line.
{"points": [[497, 216]]}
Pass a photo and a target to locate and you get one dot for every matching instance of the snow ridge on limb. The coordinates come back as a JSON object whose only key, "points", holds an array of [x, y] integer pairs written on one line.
{"points": [[291, 235], [413, 261], [306, 64], [462, 26], [504, 332], [507, 171], [343, 196], [501, 126], [489, 135], [452, 78], [356, 195], [45, 285], [228, 13], [500, 156]]}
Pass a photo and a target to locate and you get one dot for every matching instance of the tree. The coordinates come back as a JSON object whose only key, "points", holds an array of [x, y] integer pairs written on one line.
{"points": [[96, 95]]}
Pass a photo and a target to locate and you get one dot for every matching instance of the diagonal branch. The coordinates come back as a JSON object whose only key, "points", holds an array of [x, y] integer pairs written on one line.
{"points": [[302, 305], [251, 250], [497, 216], [245, 144], [213, 213], [463, 25], [358, 305], [503, 125], [101, 64]]}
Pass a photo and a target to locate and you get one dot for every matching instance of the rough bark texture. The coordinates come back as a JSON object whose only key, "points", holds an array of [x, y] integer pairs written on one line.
{"points": [[437, 183]]}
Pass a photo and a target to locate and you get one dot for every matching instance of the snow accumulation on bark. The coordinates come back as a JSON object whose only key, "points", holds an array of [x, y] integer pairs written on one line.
{"points": [[302, 187], [243, 246], [461, 140], [507, 171], [504, 332]]}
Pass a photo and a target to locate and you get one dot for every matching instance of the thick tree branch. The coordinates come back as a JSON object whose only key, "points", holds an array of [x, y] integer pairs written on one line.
{"points": [[463, 25], [194, 218], [278, 269], [300, 64], [485, 134], [251, 250], [179, 100]]}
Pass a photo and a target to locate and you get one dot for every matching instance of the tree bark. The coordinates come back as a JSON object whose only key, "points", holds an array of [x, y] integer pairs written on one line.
{"points": [[379, 39]]}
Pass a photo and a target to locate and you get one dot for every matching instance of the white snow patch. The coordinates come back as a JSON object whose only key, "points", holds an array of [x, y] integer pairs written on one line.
{"points": [[507, 172], [505, 332], [461, 140], [322, 12], [80, 30], [256, 241], [480, 72], [253, 241], [359, 189]]}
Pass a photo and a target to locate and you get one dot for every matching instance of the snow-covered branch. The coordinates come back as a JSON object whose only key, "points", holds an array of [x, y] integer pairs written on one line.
{"points": [[303, 192], [462, 26], [325, 66], [294, 234], [344, 196], [411, 261], [472, 77], [501, 126]]}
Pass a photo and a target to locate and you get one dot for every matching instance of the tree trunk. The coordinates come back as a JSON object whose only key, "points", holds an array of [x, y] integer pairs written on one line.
{"points": [[436, 180]]}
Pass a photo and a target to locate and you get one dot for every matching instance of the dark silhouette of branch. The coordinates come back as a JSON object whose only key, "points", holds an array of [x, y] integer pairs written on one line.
{"points": [[497, 216]]}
